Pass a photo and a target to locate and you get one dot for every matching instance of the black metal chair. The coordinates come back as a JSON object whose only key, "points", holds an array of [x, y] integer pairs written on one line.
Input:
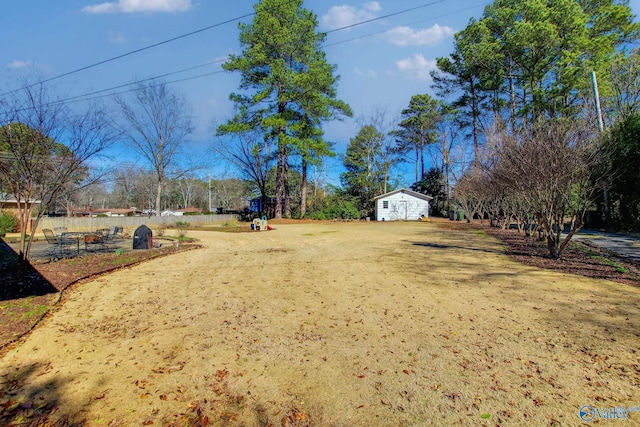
{"points": [[59, 244], [111, 235], [59, 230]]}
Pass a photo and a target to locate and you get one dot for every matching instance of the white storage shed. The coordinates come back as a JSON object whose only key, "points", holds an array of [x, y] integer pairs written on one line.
{"points": [[402, 205]]}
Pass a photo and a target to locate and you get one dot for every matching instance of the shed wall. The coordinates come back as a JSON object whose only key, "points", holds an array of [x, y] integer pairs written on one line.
{"points": [[401, 207]]}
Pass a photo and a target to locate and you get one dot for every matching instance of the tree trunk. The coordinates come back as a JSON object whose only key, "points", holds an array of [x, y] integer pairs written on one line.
{"points": [[422, 158], [303, 190], [417, 165], [25, 214], [551, 246], [278, 204], [285, 183], [158, 196], [476, 125]]}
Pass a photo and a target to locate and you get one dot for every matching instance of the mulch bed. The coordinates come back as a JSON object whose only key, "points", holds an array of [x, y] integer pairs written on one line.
{"points": [[578, 258]]}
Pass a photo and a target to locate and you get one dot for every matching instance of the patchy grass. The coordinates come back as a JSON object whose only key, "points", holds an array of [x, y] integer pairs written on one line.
{"points": [[186, 239], [35, 312], [599, 257], [232, 227], [394, 324]]}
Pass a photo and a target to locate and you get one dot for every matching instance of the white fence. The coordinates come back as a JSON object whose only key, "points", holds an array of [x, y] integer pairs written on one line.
{"points": [[129, 222]]}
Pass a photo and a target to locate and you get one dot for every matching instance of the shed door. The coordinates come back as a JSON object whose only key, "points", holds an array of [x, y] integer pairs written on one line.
{"points": [[402, 209]]}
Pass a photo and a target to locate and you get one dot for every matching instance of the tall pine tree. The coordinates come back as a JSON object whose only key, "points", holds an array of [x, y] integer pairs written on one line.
{"points": [[286, 79]]}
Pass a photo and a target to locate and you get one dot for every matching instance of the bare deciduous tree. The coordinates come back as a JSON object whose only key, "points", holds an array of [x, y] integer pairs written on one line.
{"points": [[44, 147], [251, 155], [133, 187], [556, 170], [156, 122], [470, 192]]}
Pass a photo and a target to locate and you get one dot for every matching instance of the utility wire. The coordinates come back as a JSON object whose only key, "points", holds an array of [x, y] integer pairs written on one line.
{"points": [[90, 96], [385, 16], [142, 49], [391, 29]]}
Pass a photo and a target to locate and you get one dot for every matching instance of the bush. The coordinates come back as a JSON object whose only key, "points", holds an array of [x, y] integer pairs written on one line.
{"points": [[337, 209], [181, 227], [160, 230], [8, 223]]}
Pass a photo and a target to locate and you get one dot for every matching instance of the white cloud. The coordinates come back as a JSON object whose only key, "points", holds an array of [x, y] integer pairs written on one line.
{"points": [[132, 6], [369, 72], [114, 37], [373, 6], [405, 36], [17, 65], [345, 15], [417, 67]]}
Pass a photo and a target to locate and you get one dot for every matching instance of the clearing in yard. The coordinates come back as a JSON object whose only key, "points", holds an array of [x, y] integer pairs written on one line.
{"points": [[331, 324]]}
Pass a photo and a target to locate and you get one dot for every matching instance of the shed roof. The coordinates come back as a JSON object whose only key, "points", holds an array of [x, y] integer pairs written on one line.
{"points": [[406, 191]]}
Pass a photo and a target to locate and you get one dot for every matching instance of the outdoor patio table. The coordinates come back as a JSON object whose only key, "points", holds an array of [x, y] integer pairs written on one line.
{"points": [[74, 235]]}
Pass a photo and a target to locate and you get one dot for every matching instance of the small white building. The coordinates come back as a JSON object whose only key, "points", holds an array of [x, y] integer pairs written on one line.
{"points": [[402, 205], [181, 212]]}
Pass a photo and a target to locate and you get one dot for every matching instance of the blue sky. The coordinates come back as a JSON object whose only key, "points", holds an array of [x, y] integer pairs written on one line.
{"points": [[381, 64]]}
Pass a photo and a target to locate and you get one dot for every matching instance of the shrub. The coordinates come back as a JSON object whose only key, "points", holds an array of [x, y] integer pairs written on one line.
{"points": [[160, 230], [8, 223], [337, 209], [181, 228]]}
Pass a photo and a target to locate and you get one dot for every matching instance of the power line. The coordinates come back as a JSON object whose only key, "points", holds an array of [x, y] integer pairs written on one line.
{"points": [[90, 95], [385, 16], [391, 29], [142, 49], [87, 96]]}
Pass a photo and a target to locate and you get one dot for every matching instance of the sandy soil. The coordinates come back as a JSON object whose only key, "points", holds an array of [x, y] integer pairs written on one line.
{"points": [[345, 324]]}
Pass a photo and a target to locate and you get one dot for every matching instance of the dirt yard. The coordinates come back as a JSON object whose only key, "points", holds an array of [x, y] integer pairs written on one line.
{"points": [[334, 324]]}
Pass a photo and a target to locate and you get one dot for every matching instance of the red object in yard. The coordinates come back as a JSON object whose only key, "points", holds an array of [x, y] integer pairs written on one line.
{"points": [[269, 228]]}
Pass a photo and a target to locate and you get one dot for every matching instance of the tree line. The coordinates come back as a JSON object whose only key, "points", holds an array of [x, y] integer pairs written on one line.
{"points": [[545, 141]]}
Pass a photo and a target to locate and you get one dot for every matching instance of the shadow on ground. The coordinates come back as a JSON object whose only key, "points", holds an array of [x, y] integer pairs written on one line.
{"points": [[35, 402], [20, 280]]}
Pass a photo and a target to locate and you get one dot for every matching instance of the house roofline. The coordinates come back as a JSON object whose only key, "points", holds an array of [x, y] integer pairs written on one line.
{"points": [[406, 191]]}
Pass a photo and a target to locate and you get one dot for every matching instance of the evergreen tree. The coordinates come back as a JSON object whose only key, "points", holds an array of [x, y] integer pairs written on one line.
{"points": [[418, 129], [287, 80], [624, 143], [433, 184], [367, 163], [527, 60]]}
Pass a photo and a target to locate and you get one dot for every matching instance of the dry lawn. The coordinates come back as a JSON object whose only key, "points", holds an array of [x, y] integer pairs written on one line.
{"points": [[333, 324]]}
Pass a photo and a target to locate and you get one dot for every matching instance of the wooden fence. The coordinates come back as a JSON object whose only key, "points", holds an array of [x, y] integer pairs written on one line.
{"points": [[130, 222]]}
